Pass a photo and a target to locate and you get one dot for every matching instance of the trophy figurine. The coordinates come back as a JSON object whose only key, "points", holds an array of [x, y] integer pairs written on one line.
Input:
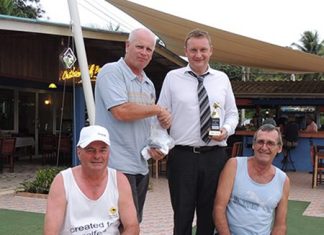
{"points": [[215, 121]]}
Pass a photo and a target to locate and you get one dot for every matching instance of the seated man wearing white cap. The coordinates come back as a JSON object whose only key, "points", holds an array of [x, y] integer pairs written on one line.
{"points": [[91, 198]]}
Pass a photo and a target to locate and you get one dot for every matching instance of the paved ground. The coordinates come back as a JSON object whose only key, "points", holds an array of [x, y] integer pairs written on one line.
{"points": [[157, 218]]}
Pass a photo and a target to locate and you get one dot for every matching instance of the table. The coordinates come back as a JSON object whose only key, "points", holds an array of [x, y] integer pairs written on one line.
{"points": [[27, 143], [24, 142]]}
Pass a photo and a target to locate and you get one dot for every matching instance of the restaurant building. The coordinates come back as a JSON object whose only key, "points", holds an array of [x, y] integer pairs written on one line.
{"points": [[38, 96]]}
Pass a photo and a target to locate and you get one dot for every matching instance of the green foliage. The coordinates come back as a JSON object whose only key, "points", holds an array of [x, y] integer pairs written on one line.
{"points": [[234, 72], [43, 180], [21, 8], [311, 43]]}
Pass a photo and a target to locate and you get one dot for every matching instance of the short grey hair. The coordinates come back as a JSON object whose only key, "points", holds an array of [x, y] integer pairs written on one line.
{"points": [[133, 34], [269, 128]]}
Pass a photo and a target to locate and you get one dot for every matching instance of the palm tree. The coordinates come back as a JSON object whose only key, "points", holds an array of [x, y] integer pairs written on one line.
{"points": [[21, 8], [6, 7], [310, 43]]}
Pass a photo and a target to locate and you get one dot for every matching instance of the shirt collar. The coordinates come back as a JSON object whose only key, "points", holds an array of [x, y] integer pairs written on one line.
{"points": [[131, 74], [187, 69]]}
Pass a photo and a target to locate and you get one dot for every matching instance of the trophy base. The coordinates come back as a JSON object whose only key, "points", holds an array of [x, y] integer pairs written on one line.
{"points": [[214, 133]]}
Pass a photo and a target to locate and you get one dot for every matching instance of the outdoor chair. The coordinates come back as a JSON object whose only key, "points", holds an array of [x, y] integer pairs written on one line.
{"points": [[7, 151], [158, 166], [237, 149], [65, 149], [290, 143], [47, 147], [317, 156], [287, 160]]}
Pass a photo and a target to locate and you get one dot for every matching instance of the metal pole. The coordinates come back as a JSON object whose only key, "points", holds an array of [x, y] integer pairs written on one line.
{"points": [[82, 57]]}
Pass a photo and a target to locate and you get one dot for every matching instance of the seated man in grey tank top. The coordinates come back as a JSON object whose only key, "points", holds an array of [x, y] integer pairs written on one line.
{"points": [[252, 194]]}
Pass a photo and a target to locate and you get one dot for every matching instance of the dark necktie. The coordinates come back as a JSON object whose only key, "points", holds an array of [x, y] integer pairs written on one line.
{"points": [[205, 118]]}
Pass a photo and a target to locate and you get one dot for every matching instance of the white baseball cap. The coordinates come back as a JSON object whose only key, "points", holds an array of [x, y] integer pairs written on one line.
{"points": [[93, 133]]}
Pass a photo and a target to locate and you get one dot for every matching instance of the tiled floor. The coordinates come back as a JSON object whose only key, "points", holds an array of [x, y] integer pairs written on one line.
{"points": [[24, 171], [301, 190], [158, 214]]}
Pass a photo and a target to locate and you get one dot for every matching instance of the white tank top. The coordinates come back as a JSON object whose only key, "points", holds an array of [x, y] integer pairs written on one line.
{"points": [[84, 216], [251, 206]]}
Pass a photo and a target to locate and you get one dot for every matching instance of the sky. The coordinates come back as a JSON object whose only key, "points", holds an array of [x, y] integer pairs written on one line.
{"points": [[280, 22]]}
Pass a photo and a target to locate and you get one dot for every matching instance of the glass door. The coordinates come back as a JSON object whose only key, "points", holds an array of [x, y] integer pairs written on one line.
{"points": [[27, 120], [36, 115], [46, 107]]}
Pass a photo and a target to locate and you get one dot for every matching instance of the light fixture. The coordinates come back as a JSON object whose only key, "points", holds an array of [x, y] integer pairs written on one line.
{"points": [[52, 86], [47, 102]]}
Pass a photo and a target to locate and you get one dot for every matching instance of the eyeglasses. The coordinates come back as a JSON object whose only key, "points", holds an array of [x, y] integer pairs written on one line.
{"points": [[269, 144]]}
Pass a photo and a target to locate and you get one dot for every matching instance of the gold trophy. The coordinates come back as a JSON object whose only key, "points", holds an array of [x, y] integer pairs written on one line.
{"points": [[215, 121]]}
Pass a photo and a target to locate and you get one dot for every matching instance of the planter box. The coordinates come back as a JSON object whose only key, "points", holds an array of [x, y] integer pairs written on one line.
{"points": [[33, 195]]}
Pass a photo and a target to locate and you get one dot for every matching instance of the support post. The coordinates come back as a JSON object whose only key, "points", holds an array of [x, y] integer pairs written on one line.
{"points": [[82, 58]]}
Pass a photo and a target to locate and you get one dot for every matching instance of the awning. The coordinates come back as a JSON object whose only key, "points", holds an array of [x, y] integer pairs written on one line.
{"points": [[229, 48]]}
